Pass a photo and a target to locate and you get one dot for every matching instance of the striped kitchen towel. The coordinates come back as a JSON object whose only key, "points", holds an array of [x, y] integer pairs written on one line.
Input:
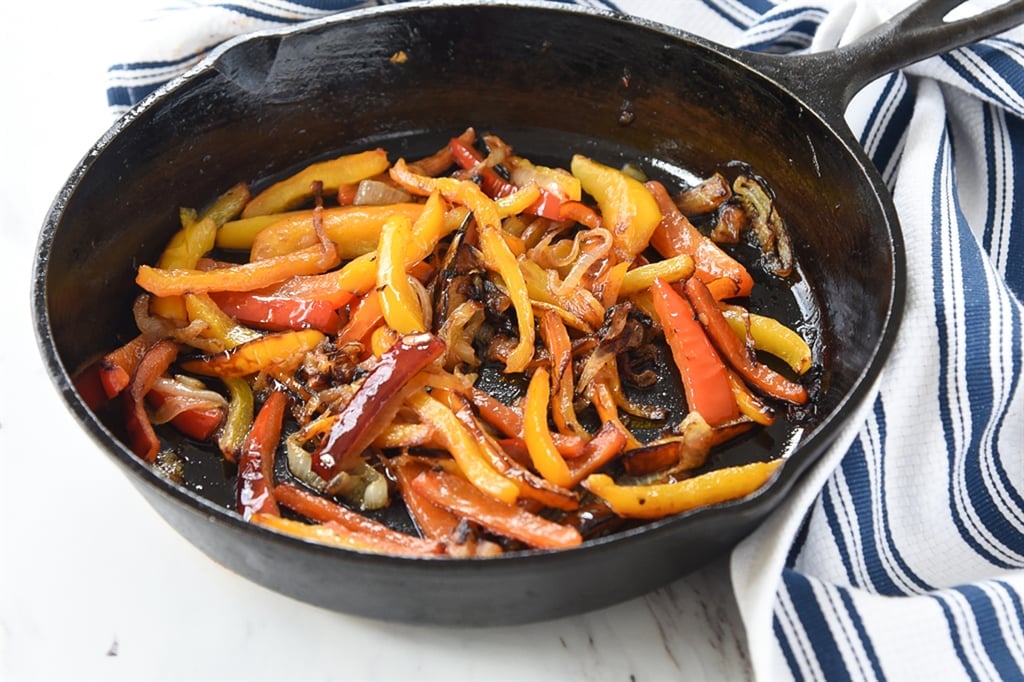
{"points": [[899, 556]]}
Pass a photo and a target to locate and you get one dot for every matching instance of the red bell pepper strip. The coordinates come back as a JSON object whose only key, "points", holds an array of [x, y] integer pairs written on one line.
{"points": [[117, 366], [495, 186], [374, 404], [607, 443], [365, 317], [432, 521], [198, 423], [705, 379], [735, 351], [141, 437], [276, 312], [254, 485], [676, 235], [461, 498], [323, 510]]}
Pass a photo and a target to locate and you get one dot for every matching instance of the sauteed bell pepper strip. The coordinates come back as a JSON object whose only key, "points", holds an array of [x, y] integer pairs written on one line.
{"points": [[218, 325], [238, 420], [245, 277], [705, 381], [185, 249], [323, 510], [676, 235], [275, 352], [333, 533], [460, 497], [735, 352], [497, 256], [116, 367], [374, 404], [563, 391], [627, 207], [660, 500], [295, 189], [545, 204], [270, 310], [398, 302], [453, 437], [669, 270], [364, 318], [254, 484], [545, 456], [353, 229], [432, 521], [771, 336], [141, 436]]}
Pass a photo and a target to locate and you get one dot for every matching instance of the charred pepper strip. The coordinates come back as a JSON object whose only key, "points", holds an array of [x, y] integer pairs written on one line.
{"points": [[323, 510], [760, 376], [374, 404], [460, 497], [154, 363], [255, 482], [676, 235]]}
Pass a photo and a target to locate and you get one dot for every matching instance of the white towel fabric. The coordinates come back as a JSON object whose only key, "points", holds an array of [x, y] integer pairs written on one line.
{"points": [[900, 555]]}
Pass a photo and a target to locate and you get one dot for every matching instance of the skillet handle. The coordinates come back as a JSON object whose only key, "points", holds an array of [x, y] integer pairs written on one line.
{"points": [[828, 80]]}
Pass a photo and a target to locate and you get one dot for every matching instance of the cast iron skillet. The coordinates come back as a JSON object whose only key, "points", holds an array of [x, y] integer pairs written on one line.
{"points": [[553, 80]]}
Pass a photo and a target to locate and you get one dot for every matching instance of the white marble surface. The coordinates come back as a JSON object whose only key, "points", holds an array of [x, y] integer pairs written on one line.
{"points": [[95, 585]]}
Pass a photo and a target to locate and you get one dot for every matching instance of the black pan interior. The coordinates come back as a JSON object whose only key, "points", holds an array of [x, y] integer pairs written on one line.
{"points": [[552, 82]]}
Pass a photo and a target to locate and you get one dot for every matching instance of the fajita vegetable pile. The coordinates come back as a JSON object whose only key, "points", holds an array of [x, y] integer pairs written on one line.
{"points": [[342, 317]]}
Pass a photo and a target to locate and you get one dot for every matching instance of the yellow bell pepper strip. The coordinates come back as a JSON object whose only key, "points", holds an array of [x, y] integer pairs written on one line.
{"points": [[579, 308], [331, 533], [297, 188], [186, 247], [323, 510], [670, 270], [664, 499], [735, 351], [627, 208], [497, 255], [353, 229], [704, 377], [771, 336], [676, 235], [374, 404], [453, 437], [218, 325], [245, 277], [751, 406], [142, 439], [255, 482], [563, 391], [545, 456], [398, 301], [458, 496], [238, 420], [228, 205], [239, 235], [276, 352]]}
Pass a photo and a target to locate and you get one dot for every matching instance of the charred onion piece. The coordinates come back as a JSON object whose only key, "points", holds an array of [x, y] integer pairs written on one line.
{"points": [[374, 404]]}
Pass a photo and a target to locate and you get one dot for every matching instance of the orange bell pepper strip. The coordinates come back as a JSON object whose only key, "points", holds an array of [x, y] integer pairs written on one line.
{"points": [[323, 510], [545, 456], [627, 208], [676, 235], [364, 318], [734, 350], [275, 352], [498, 257], [607, 444], [660, 500], [297, 188], [432, 521], [579, 212], [255, 482], [142, 438], [563, 392], [461, 498], [703, 373], [353, 229], [245, 277]]}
